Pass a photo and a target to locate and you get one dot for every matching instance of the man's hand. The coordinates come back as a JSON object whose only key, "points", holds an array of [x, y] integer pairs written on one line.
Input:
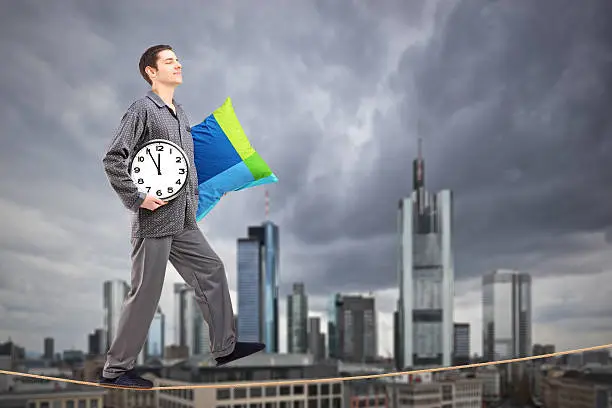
{"points": [[152, 203]]}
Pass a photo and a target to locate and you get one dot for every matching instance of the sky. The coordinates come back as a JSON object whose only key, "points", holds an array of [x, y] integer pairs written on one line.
{"points": [[511, 99]]}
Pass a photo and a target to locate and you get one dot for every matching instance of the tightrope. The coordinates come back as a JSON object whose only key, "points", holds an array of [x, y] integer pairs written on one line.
{"points": [[309, 381]]}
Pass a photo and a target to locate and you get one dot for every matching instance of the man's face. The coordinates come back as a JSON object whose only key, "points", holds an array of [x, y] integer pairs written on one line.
{"points": [[169, 70]]}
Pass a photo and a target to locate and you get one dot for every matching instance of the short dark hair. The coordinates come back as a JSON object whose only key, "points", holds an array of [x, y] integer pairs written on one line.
{"points": [[149, 59]]}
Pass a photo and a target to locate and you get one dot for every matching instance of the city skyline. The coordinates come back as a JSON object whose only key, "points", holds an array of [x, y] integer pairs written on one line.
{"points": [[519, 134]]}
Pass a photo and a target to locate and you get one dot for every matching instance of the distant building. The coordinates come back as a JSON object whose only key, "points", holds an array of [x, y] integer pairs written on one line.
{"points": [[259, 369], [352, 328], [91, 397], [506, 316], [426, 275], [492, 385], [191, 330], [49, 348], [258, 269], [96, 343], [461, 344], [316, 339], [297, 320], [576, 389], [114, 294]]}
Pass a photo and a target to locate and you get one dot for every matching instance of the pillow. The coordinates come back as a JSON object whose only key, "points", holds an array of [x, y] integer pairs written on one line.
{"points": [[224, 158]]}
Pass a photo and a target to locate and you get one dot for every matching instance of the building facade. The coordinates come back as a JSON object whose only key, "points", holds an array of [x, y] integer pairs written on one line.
{"points": [[426, 276], [461, 344], [297, 320], [506, 308], [115, 293], [191, 330], [258, 281], [353, 328]]}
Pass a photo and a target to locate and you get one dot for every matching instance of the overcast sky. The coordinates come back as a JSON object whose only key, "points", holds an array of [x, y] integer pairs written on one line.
{"points": [[511, 98]]}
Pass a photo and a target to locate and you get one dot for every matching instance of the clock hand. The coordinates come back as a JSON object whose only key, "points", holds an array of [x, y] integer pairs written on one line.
{"points": [[156, 164]]}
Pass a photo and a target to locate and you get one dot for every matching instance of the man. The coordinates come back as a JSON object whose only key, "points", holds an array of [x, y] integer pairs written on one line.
{"points": [[163, 231]]}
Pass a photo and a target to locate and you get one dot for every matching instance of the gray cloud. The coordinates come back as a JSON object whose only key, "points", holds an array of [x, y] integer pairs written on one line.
{"points": [[510, 99]]}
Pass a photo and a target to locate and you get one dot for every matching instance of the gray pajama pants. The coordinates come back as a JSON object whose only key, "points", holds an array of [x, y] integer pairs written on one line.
{"points": [[200, 267]]}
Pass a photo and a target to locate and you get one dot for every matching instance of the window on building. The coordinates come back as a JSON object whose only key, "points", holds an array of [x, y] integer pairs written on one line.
{"points": [[223, 394], [240, 393]]}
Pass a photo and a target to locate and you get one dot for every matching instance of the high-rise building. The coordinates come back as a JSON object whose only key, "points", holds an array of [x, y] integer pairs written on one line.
{"points": [[115, 293], [354, 326], [461, 344], [426, 275], [48, 347], [155, 343], [506, 320], [190, 330], [316, 339], [297, 320], [397, 339], [96, 342], [258, 280], [540, 349]]}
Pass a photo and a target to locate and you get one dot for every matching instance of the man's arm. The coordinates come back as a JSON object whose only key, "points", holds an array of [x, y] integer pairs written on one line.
{"points": [[116, 160]]}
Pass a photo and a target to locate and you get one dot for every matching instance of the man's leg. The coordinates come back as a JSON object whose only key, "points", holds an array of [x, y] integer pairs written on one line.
{"points": [[201, 268], [149, 260]]}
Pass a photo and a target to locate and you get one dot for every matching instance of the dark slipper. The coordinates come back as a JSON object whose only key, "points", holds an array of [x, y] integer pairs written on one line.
{"points": [[241, 350], [128, 379]]}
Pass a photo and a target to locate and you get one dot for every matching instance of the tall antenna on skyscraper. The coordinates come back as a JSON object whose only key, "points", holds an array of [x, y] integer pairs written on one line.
{"points": [[420, 147], [267, 203]]}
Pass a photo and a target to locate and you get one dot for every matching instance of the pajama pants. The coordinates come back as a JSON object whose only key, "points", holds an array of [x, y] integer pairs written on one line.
{"points": [[200, 267]]}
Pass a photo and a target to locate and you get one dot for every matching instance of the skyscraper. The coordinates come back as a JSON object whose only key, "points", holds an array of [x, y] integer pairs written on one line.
{"points": [[506, 309], [96, 342], [297, 320], [155, 343], [426, 275], [461, 344], [354, 327], [258, 273], [191, 329], [115, 293], [316, 339], [49, 348]]}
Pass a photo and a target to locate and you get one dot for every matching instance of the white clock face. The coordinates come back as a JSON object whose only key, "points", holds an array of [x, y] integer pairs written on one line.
{"points": [[160, 168]]}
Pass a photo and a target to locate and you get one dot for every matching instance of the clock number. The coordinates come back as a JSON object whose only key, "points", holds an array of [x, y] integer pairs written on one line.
{"points": [[170, 190], [140, 181], [159, 148], [140, 158], [136, 169], [178, 159], [181, 171], [178, 181], [159, 192], [170, 150], [148, 189]]}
